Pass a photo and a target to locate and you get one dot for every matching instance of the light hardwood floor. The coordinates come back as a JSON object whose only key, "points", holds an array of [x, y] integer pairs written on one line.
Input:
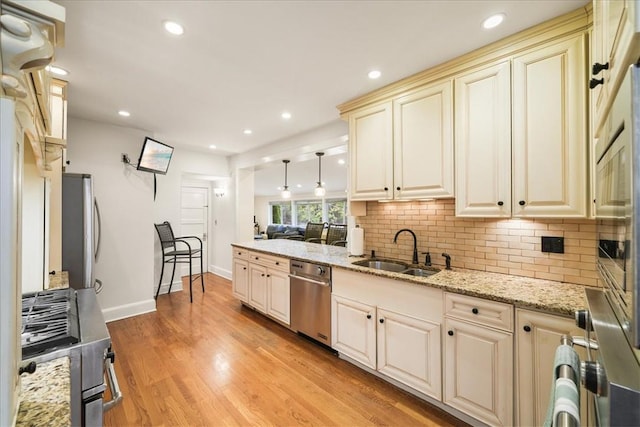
{"points": [[215, 363]]}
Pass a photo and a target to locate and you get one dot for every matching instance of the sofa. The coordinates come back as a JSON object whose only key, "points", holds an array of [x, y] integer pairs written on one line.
{"points": [[282, 231]]}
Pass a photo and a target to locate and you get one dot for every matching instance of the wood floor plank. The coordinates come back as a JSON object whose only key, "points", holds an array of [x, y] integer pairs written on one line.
{"points": [[218, 363]]}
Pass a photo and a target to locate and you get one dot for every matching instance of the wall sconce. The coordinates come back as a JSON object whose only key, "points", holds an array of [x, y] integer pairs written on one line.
{"points": [[219, 192]]}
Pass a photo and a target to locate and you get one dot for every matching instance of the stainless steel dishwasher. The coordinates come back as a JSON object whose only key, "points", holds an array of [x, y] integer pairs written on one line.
{"points": [[311, 300]]}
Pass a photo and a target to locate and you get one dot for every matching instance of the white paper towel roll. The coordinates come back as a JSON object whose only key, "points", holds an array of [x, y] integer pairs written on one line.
{"points": [[357, 241]]}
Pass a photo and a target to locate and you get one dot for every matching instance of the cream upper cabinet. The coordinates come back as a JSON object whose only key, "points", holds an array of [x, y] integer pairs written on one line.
{"points": [[615, 46], [403, 149], [423, 143], [550, 131], [537, 337], [371, 153], [483, 142]]}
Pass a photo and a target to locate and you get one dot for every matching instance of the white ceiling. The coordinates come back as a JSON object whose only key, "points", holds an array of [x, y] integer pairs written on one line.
{"points": [[240, 64]]}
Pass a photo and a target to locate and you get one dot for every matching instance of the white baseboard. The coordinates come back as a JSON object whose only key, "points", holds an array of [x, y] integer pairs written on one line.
{"points": [[129, 310], [164, 288], [222, 272]]}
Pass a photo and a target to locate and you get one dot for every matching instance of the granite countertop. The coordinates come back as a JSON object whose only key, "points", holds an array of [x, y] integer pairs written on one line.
{"points": [[524, 292], [45, 396], [59, 280]]}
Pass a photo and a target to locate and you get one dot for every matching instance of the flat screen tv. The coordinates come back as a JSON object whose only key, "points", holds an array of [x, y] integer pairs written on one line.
{"points": [[155, 156]]}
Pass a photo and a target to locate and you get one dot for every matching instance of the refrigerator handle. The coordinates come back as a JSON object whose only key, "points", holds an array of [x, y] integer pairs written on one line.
{"points": [[97, 252]]}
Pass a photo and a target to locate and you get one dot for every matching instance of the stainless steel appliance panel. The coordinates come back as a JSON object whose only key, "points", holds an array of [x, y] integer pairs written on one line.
{"points": [[311, 300], [78, 229], [617, 203]]}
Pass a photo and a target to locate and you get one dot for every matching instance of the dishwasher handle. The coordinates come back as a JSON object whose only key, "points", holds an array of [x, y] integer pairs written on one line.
{"points": [[306, 279]]}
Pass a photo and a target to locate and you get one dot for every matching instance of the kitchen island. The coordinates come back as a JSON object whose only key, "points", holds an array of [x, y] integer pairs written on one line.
{"points": [[523, 292]]}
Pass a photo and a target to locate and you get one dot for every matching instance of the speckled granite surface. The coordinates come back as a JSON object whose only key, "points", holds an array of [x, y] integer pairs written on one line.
{"points": [[59, 280], [45, 397], [544, 295]]}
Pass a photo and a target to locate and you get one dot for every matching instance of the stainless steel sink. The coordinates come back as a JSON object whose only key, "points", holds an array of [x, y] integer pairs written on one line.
{"points": [[420, 272], [386, 265]]}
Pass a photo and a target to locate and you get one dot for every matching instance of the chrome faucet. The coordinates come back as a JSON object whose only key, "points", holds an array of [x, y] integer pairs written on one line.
{"points": [[415, 243]]}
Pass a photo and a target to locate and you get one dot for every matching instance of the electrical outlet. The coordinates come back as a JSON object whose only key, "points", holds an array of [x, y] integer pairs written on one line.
{"points": [[553, 244]]}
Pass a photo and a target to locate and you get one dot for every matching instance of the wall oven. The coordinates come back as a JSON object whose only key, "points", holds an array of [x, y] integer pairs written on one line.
{"points": [[612, 372]]}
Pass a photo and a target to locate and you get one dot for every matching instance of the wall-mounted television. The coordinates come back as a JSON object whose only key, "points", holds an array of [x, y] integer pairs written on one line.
{"points": [[155, 156]]}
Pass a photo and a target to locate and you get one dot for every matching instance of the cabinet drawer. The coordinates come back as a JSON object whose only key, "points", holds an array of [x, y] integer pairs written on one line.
{"points": [[478, 310], [239, 253], [269, 261]]}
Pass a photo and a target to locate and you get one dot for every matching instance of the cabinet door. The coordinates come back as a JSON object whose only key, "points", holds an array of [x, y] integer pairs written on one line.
{"points": [[409, 351], [279, 296], [258, 287], [537, 337], [483, 142], [423, 143], [371, 153], [353, 330], [240, 282], [549, 131], [478, 371]]}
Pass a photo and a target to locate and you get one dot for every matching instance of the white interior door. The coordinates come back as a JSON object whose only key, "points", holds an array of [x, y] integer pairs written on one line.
{"points": [[194, 214]]}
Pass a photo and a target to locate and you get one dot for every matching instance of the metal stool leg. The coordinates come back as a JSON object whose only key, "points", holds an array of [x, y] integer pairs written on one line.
{"points": [[190, 280], [201, 273], [173, 273], [160, 282]]}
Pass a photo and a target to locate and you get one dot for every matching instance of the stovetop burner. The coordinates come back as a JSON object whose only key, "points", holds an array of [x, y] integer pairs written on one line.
{"points": [[49, 320]]}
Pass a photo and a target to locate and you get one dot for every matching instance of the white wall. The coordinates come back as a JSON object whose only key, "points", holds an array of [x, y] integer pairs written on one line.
{"points": [[129, 263], [125, 197]]}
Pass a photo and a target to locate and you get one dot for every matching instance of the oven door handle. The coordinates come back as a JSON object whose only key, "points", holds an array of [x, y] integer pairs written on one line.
{"points": [[113, 386]]}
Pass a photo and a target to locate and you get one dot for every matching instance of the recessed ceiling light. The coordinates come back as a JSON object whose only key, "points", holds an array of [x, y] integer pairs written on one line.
{"points": [[493, 21], [299, 185], [286, 115], [56, 70], [213, 147], [173, 28], [341, 161], [247, 131], [374, 74], [124, 113]]}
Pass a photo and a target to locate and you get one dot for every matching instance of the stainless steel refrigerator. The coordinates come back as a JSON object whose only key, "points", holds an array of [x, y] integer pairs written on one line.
{"points": [[80, 231]]}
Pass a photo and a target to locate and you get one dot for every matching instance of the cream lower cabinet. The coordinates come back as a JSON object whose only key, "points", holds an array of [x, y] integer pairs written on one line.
{"points": [[389, 326], [537, 337], [262, 282], [240, 282], [478, 358]]}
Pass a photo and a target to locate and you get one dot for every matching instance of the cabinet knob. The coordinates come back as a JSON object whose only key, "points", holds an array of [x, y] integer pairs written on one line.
{"points": [[474, 310], [244, 268], [29, 369], [398, 188], [527, 328], [368, 316], [595, 82], [386, 188], [450, 333], [268, 275], [500, 203], [381, 320], [597, 67], [277, 263], [521, 202], [262, 274]]}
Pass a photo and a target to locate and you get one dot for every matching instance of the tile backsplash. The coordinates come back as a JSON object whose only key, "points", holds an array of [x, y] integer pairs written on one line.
{"points": [[510, 246]]}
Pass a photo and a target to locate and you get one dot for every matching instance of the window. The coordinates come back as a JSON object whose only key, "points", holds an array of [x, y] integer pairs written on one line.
{"points": [[308, 211], [336, 211], [300, 212], [280, 213]]}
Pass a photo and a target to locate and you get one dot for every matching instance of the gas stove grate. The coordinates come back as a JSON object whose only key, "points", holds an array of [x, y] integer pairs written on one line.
{"points": [[49, 320]]}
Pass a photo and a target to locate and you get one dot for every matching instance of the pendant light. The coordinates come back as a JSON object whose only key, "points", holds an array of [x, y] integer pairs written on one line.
{"points": [[285, 190], [320, 190]]}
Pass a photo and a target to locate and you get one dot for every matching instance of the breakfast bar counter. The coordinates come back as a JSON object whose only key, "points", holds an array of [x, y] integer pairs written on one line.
{"points": [[523, 292]]}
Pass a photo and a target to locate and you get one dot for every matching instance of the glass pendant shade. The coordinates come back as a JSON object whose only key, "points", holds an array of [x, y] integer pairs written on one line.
{"points": [[285, 190], [319, 190]]}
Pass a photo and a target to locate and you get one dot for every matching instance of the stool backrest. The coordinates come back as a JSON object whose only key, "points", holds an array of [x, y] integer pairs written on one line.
{"points": [[336, 233], [165, 233]]}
